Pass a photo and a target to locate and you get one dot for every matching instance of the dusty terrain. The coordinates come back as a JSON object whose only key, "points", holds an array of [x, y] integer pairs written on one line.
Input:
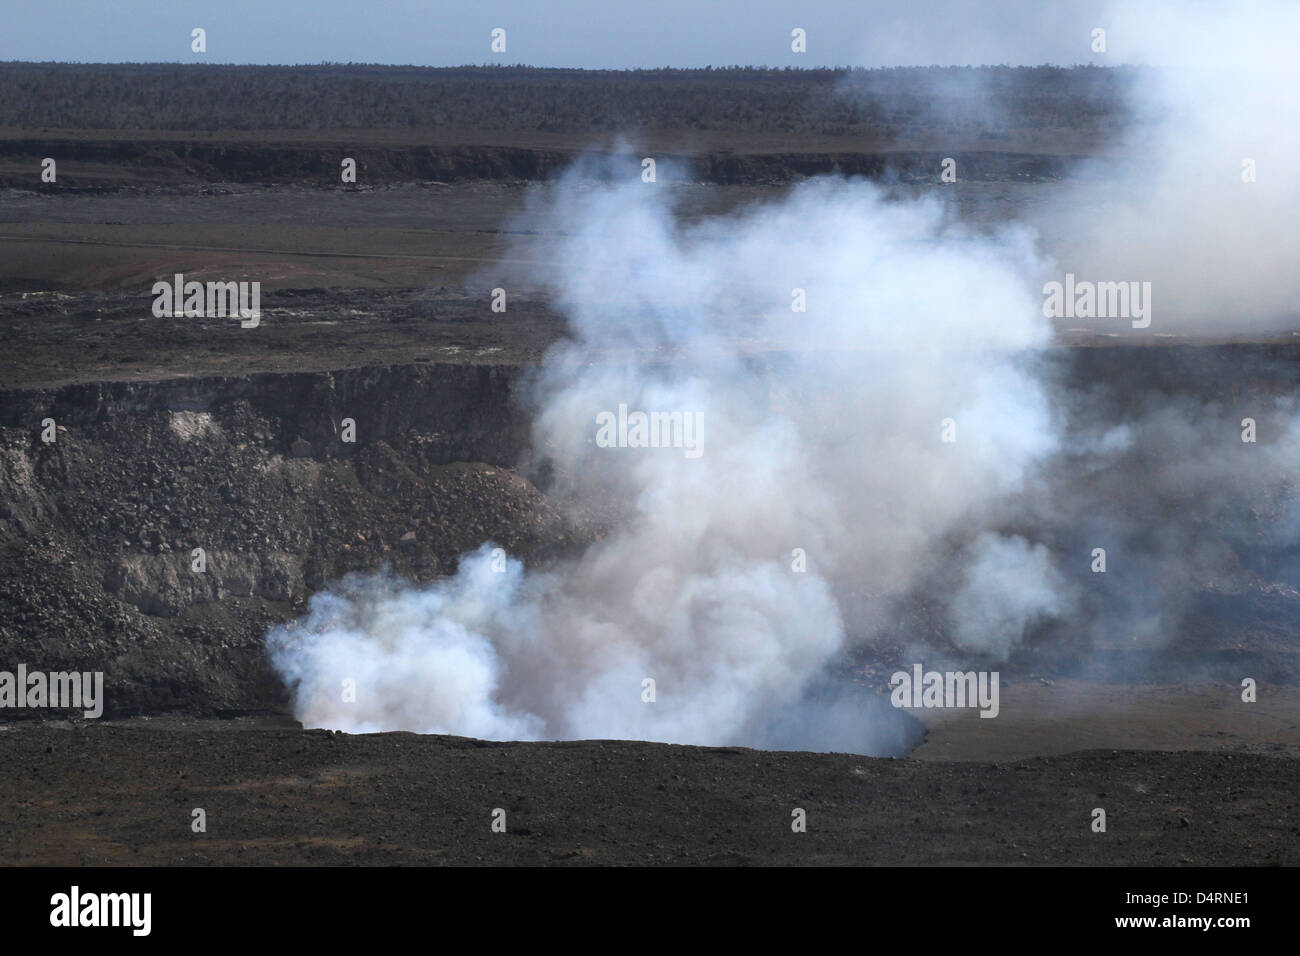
{"points": [[182, 433]]}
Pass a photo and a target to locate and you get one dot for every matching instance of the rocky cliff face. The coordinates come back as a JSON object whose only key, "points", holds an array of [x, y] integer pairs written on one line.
{"points": [[170, 523]]}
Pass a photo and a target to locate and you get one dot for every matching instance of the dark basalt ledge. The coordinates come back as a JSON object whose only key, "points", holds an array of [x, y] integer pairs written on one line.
{"points": [[473, 409], [247, 163], [467, 409]]}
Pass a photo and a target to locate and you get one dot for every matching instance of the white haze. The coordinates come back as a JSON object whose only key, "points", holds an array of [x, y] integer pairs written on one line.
{"points": [[821, 432], [1219, 252]]}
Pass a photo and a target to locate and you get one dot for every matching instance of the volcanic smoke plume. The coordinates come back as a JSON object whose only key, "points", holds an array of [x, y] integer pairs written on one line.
{"points": [[834, 450], [1206, 206], [877, 422]]}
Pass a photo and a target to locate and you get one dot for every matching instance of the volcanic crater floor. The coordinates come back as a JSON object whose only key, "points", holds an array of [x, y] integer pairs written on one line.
{"points": [[272, 793]]}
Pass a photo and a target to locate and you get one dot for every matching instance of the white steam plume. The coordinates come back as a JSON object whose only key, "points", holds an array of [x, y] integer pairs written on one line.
{"points": [[835, 446], [1205, 209], [822, 431]]}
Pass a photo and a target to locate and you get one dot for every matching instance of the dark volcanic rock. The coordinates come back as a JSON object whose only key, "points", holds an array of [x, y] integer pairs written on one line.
{"points": [[283, 796]]}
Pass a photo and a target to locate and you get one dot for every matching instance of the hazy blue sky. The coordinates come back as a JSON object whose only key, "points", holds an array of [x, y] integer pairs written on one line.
{"points": [[617, 34]]}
